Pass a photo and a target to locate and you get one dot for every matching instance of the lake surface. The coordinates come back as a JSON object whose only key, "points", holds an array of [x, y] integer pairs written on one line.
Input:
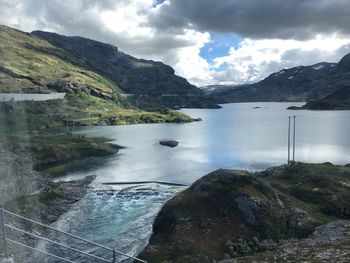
{"points": [[238, 136]]}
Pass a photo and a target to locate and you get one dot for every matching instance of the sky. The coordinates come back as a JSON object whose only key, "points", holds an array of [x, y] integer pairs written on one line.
{"points": [[206, 41]]}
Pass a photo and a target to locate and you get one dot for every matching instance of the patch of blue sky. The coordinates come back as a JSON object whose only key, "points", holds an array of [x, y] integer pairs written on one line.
{"points": [[219, 46], [158, 2], [222, 67]]}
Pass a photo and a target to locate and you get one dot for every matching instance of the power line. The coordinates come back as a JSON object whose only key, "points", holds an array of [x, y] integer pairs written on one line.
{"points": [[289, 134], [289, 139], [294, 117]]}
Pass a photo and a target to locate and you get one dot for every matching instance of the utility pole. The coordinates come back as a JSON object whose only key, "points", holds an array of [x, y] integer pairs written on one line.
{"points": [[294, 138], [289, 139]]}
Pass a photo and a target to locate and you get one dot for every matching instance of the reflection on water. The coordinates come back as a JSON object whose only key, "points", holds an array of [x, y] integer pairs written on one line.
{"points": [[236, 136]]}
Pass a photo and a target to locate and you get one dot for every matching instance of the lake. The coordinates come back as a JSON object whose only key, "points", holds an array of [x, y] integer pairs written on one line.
{"points": [[238, 136]]}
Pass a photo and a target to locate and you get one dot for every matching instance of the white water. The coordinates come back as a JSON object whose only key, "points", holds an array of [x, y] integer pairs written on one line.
{"points": [[116, 216]]}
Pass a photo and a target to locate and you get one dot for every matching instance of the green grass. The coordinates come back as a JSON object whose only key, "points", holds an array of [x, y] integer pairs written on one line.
{"points": [[30, 64], [320, 189], [206, 216]]}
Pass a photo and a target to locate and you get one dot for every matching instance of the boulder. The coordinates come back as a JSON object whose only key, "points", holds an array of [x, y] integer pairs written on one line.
{"points": [[169, 143], [232, 214]]}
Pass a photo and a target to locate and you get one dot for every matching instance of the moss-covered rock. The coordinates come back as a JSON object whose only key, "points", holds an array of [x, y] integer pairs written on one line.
{"points": [[329, 243], [52, 201], [234, 213]]}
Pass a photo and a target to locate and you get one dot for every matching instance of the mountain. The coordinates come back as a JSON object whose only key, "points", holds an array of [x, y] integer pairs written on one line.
{"points": [[322, 81], [149, 83], [31, 65], [47, 62]]}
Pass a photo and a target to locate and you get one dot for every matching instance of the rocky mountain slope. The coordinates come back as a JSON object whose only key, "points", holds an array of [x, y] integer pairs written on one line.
{"points": [[132, 75], [322, 81], [150, 82], [232, 214], [31, 65], [47, 62]]}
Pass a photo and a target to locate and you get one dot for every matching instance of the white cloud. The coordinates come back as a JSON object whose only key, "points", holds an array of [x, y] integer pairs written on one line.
{"points": [[136, 28], [189, 63], [130, 19], [256, 59]]}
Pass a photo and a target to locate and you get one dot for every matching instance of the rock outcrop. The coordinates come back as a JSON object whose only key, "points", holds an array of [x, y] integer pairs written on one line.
{"points": [[148, 82], [232, 214], [329, 243], [169, 143], [52, 201], [17, 176]]}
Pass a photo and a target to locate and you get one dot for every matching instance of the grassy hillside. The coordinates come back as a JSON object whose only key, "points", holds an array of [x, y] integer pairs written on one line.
{"points": [[153, 84], [32, 65]]}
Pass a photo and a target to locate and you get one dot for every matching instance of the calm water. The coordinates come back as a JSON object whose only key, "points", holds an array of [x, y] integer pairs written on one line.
{"points": [[236, 136]]}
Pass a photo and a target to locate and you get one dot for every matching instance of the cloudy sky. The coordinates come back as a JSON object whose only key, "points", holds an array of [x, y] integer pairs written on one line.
{"points": [[206, 41]]}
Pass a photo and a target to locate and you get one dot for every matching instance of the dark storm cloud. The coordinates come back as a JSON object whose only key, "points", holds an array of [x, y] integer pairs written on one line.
{"points": [[169, 22], [257, 18], [299, 19]]}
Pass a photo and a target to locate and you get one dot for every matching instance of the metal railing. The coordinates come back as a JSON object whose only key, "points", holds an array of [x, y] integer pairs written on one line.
{"points": [[6, 240]]}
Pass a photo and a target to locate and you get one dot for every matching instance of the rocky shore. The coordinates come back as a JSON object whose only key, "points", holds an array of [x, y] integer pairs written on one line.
{"points": [[323, 105], [231, 215], [45, 206], [49, 203]]}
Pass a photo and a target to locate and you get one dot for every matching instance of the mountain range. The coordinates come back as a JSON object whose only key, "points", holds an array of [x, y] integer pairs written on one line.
{"points": [[323, 85], [92, 73], [48, 62]]}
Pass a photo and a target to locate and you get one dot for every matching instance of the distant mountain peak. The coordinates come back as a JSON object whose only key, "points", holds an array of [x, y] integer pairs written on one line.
{"points": [[301, 83]]}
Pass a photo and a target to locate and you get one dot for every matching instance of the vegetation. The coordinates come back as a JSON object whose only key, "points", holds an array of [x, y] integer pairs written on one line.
{"points": [[230, 214], [32, 65]]}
